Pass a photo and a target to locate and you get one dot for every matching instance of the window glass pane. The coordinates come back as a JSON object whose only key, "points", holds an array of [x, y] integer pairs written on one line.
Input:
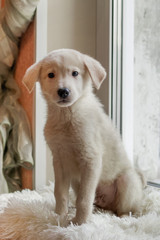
{"points": [[147, 87]]}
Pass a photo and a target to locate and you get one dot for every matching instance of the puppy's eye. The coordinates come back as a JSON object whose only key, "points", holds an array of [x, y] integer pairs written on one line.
{"points": [[51, 75], [75, 73]]}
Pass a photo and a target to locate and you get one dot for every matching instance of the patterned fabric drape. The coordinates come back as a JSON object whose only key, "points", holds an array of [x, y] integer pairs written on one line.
{"points": [[15, 139]]}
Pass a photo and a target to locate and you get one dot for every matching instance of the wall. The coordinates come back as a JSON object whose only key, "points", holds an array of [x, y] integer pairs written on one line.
{"points": [[147, 87], [72, 24], [102, 47]]}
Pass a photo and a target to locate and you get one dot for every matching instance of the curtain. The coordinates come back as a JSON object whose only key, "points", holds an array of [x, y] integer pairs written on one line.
{"points": [[15, 137]]}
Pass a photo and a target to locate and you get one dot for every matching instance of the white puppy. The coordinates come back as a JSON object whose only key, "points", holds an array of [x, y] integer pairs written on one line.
{"points": [[87, 152]]}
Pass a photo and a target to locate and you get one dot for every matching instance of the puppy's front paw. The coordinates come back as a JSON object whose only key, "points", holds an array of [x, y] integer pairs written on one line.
{"points": [[62, 220], [74, 221], [78, 221]]}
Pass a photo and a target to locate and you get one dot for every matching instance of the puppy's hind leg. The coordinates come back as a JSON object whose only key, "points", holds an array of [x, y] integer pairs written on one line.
{"points": [[129, 193]]}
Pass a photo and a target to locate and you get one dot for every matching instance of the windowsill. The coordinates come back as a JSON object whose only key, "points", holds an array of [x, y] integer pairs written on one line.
{"points": [[154, 183]]}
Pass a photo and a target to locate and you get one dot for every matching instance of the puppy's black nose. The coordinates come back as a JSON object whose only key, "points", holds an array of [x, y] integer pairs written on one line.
{"points": [[63, 92]]}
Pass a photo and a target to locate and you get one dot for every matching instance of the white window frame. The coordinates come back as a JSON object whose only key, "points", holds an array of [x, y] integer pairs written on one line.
{"points": [[122, 69], [40, 148], [128, 77]]}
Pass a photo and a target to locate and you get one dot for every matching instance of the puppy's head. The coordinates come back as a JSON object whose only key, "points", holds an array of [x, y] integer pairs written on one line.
{"points": [[64, 76]]}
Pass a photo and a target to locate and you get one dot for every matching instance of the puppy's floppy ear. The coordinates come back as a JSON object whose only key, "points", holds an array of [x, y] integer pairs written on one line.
{"points": [[96, 71], [31, 76]]}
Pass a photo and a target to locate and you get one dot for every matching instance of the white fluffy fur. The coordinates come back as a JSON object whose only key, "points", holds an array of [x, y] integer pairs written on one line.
{"points": [[87, 152], [29, 215]]}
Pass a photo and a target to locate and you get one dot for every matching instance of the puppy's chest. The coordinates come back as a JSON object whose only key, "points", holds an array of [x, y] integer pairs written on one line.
{"points": [[66, 137]]}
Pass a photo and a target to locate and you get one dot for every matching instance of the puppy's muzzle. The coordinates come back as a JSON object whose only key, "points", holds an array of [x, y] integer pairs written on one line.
{"points": [[63, 93]]}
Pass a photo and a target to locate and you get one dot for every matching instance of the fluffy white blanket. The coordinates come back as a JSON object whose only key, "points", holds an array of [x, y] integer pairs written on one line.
{"points": [[29, 215]]}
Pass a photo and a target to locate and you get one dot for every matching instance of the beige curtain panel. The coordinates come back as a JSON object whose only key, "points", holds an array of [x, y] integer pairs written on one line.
{"points": [[15, 137]]}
